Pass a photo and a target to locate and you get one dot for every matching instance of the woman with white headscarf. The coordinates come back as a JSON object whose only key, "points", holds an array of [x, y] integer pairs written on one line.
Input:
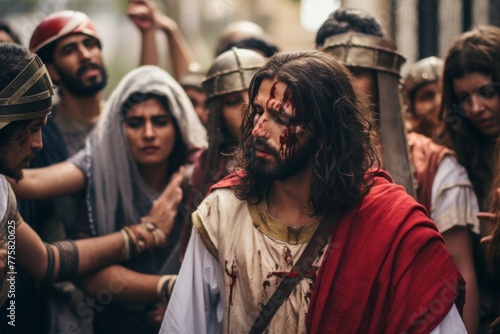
{"points": [[148, 130]]}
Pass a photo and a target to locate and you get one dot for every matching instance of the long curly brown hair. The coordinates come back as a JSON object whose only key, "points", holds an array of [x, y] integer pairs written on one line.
{"points": [[326, 101], [476, 51]]}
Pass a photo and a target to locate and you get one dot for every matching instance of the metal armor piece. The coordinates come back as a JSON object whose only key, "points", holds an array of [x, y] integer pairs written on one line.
{"points": [[424, 71], [380, 55], [61, 24], [360, 50], [232, 72], [28, 96]]}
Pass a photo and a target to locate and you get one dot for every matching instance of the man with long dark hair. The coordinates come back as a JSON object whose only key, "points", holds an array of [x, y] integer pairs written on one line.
{"points": [[443, 187], [308, 235]]}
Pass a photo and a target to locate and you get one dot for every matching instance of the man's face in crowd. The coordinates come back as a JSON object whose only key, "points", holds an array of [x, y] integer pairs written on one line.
{"points": [[282, 148], [366, 81], [426, 105], [197, 97], [21, 148], [78, 65], [233, 108]]}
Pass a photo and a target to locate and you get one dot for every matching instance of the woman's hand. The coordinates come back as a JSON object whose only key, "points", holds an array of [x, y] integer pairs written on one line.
{"points": [[165, 207]]}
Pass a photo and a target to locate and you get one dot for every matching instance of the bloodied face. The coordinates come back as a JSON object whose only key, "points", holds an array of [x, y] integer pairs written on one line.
{"points": [[282, 146]]}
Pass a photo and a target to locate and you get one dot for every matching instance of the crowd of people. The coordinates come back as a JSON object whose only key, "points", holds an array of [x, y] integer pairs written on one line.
{"points": [[315, 191]]}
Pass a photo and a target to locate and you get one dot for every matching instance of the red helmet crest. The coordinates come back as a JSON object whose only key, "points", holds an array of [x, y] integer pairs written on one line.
{"points": [[61, 24]]}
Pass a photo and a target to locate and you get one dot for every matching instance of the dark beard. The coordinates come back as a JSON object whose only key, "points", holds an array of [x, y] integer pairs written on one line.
{"points": [[282, 168], [16, 174], [76, 87]]}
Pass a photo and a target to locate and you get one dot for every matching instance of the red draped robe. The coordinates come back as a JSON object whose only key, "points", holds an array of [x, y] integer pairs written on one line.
{"points": [[386, 270]]}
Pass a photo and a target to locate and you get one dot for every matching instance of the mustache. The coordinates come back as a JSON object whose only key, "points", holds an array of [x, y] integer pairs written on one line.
{"points": [[28, 159], [89, 66], [262, 145]]}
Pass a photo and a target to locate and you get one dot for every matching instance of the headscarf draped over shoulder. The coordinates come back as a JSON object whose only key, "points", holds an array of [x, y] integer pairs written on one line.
{"points": [[115, 175]]}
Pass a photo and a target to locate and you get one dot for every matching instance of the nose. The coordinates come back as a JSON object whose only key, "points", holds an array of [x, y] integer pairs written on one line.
{"points": [[260, 129], [149, 130], [476, 105], [84, 51], [36, 141]]}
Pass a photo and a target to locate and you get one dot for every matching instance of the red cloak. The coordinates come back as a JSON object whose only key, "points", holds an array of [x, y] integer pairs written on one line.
{"points": [[386, 270]]}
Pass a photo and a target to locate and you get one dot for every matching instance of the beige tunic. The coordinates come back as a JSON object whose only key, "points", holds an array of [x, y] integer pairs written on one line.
{"points": [[253, 249]]}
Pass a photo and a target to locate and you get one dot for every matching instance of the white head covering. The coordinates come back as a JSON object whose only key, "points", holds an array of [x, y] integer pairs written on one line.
{"points": [[116, 178]]}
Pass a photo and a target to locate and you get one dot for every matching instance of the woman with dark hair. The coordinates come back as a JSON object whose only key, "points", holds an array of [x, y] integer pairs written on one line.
{"points": [[471, 103], [147, 132], [470, 113]]}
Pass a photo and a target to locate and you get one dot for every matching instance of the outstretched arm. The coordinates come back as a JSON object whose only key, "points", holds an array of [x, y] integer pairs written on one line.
{"points": [[60, 179], [148, 19], [85, 255], [142, 12], [32, 254], [125, 285], [181, 55]]}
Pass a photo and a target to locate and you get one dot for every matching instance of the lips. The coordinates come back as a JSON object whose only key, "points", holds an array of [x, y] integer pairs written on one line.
{"points": [[486, 122], [149, 149], [89, 70], [262, 150]]}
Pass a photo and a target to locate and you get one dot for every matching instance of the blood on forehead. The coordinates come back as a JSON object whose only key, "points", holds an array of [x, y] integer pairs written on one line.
{"points": [[279, 99]]}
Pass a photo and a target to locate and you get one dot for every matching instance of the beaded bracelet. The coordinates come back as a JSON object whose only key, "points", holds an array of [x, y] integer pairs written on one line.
{"points": [[126, 245]]}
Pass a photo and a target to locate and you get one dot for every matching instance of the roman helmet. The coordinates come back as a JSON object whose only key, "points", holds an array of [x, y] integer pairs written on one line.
{"points": [[60, 24], [424, 71], [28, 96], [232, 72], [379, 54]]}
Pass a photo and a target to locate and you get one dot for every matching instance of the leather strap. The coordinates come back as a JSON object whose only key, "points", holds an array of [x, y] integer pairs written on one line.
{"points": [[315, 245]]}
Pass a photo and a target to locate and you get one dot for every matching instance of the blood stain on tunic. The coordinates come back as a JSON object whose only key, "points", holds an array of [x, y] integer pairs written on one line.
{"points": [[233, 275], [287, 256]]}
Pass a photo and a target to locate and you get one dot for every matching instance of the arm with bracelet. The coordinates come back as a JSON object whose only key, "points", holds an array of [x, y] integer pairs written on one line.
{"points": [[68, 259], [65, 260], [146, 235]]}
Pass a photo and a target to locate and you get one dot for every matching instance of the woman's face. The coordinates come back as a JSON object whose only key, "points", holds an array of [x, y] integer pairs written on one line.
{"points": [[233, 107], [150, 133], [478, 98]]}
